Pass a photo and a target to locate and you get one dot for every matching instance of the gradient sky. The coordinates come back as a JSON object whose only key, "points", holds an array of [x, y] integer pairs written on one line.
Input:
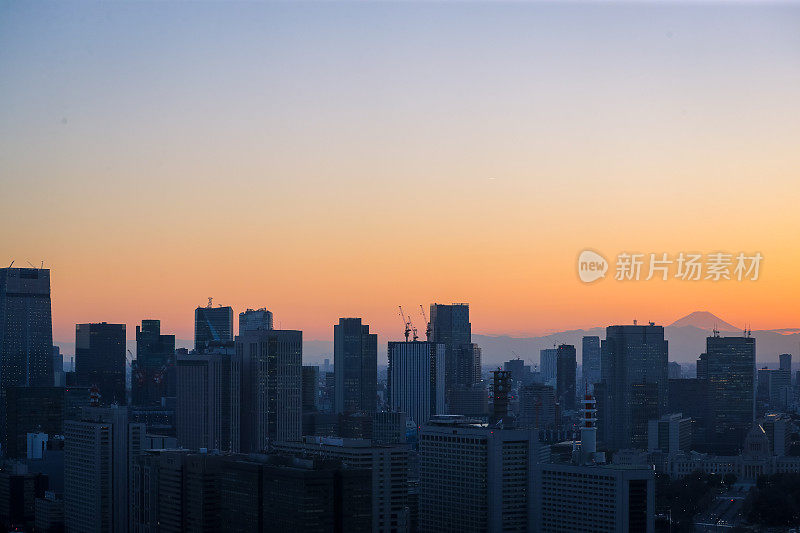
{"points": [[339, 159]]}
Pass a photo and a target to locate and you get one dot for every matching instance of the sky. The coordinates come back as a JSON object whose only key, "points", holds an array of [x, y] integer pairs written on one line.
{"points": [[341, 159]]}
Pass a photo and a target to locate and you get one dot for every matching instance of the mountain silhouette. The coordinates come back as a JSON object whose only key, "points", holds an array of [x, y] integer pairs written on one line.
{"points": [[704, 320]]}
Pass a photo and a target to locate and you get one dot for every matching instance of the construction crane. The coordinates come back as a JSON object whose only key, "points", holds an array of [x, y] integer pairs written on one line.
{"points": [[427, 323], [406, 322]]}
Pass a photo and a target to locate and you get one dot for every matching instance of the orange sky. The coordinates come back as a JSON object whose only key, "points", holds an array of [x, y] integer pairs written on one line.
{"points": [[339, 160]]}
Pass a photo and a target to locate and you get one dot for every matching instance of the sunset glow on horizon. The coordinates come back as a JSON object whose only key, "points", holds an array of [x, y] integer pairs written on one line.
{"points": [[155, 155]]}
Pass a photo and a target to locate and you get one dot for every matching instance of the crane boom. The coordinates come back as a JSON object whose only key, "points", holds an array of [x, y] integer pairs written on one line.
{"points": [[406, 322], [427, 323]]}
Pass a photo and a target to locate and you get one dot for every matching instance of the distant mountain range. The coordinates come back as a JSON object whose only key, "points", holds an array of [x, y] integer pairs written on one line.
{"points": [[686, 336]]}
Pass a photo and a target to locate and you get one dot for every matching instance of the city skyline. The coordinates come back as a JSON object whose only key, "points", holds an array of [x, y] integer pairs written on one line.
{"points": [[634, 132]]}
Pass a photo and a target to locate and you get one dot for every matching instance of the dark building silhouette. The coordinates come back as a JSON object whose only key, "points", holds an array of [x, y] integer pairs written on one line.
{"points": [[537, 406], [100, 360], [26, 330], [634, 369], [355, 362], [207, 407], [310, 389], [689, 397], [271, 387], [39, 410], [176, 491], [212, 326], [590, 360], [566, 368], [18, 491], [729, 366], [450, 325], [153, 370]]}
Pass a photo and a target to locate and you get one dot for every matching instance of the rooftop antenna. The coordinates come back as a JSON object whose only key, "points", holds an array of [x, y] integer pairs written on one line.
{"points": [[209, 301], [42, 266]]}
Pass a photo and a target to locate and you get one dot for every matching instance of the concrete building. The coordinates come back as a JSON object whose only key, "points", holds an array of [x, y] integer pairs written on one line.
{"points": [[98, 452], [537, 407], [310, 389], [207, 406], [474, 477], [416, 379], [271, 387], [672, 433], [785, 362], [355, 362], [388, 465]]}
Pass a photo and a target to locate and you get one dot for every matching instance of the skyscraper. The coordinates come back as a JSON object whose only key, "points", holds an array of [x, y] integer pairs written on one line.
{"points": [[271, 387], [207, 408], [355, 362], [590, 360], [566, 367], [153, 371], [212, 326], [450, 326], [786, 362], [98, 453], [255, 319], [548, 365], [475, 478], [634, 369], [100, 360], [416, 379], [310, 389], [26, 330], [729, 367]]}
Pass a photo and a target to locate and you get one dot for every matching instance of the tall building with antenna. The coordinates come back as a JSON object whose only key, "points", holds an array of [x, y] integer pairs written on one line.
{"points": [[212, 326]]}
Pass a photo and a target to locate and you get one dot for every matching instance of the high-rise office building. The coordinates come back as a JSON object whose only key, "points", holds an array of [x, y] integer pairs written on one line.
{"points": [[690, 397], [255, 319], [355, 362], [98, 453], [786, 362], [674, 370], [548, 365], [26, 329], [449, 325], [590, 360], [416, 379], [213, 326], [537, 406], [100, 360], [729, 366], [599, 498], [33, 410], [271, 387], [19, 489], [388, 466], [153, 370], [634, 369], [475, 478], [59, 379], [566, 368], [207, 406], [310, 389]]}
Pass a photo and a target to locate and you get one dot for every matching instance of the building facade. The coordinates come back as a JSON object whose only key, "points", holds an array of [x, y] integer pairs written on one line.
{"points": [[355, 363], [153, 370], [212, 326], [100, 360], [416, 379]]}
